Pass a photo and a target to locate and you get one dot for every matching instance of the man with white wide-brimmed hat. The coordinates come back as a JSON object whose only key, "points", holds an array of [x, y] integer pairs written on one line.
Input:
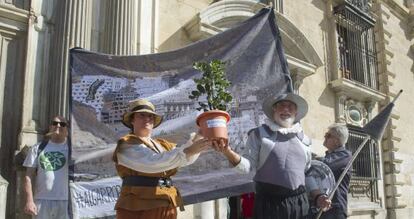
{"points": [[279, 154]]}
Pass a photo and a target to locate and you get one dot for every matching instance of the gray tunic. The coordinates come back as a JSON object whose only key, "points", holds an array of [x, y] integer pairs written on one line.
{"points": [[279, 159]]}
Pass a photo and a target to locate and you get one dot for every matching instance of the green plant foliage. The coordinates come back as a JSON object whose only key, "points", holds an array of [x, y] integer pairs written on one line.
{"points": [[213, 83]]}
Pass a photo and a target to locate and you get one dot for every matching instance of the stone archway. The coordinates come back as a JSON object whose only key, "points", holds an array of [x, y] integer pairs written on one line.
{"points": [[302, 58]]}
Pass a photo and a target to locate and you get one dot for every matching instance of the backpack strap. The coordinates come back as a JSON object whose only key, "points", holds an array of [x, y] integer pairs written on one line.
{"points": [[42, 146]]}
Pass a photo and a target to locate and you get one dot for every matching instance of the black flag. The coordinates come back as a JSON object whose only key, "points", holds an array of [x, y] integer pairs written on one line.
{"points": [[375, 128]]}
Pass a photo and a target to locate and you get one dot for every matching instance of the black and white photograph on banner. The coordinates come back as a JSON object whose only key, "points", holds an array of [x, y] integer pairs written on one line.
{"points": [[102, 86]]}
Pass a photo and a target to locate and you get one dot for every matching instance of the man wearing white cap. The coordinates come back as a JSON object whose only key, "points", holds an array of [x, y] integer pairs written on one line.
{"points": [[278, 153]]}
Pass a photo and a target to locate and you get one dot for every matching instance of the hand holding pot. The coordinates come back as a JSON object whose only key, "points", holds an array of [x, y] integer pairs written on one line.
{"points": [[197, 147], [220, 144]]}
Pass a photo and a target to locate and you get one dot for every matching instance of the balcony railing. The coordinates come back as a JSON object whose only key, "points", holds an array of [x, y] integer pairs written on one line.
{"points": [[356, 45], [21, 4]]}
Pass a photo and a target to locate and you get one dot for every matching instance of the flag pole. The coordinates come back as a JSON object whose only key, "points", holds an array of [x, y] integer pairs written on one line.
{"points": [[374, 130], [396, 97]]}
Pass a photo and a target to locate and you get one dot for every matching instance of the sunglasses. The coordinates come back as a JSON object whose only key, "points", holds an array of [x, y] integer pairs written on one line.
{"points": [[329, 135], [62, 124]]}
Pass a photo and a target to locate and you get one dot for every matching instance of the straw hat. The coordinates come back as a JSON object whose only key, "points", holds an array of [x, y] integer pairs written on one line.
{"points": [[138, 106], [301, 105]]}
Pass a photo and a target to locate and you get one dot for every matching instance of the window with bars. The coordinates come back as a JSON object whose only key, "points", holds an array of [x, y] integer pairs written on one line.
{"points": [[356, 45], [365, 169]]}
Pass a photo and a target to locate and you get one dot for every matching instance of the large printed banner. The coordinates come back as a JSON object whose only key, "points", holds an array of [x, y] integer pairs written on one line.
{"points": [[102, 86]]}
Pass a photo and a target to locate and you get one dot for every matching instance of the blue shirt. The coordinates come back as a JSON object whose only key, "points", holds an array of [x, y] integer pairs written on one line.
{"points": [[337, 161]]}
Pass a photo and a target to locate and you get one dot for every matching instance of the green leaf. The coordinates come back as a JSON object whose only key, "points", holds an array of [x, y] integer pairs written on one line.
{"points": [[228, 98], [200, 88], [213, 83]]}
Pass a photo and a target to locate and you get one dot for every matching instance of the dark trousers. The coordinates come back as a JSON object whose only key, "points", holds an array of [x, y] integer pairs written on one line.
{"points": [[277, 202], [334, 213]]}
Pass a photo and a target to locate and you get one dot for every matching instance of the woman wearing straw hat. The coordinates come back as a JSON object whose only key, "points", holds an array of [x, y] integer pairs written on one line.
{"points": [[146, 165], [279, 154]]}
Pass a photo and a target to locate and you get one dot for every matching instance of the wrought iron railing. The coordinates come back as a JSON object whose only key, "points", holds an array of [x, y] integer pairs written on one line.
{"points": [[21, 4], [365, 169], [362, 5], [356, 45]]}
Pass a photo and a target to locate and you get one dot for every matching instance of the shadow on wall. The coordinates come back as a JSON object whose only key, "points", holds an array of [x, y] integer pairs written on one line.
{"points": [[409, 34], [326, 98], [177, 40], [411, 55]]}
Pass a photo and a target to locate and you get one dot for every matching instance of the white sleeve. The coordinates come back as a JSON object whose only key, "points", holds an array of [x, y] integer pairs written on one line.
{"points": [[308, 154], [243, 166], [306, 144], [194, 157], [249, 160], [141, 158], [31, 158]]}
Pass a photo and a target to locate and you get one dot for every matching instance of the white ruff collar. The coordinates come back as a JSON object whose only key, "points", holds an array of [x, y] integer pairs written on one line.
{"points": [[276, 128]]}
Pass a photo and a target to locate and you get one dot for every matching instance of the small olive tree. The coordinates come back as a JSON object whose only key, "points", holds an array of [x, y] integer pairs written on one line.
{"points": [[213, 83]]}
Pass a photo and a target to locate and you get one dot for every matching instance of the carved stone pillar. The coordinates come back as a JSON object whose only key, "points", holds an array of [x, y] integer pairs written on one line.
{"points": [[299, 70], [73, 29], [121, 27], [340, 107], [79, 24], [370, 106], [297, 80]]}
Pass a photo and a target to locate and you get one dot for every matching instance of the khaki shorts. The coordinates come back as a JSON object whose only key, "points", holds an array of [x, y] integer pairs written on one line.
{"points": [[51, 209]]}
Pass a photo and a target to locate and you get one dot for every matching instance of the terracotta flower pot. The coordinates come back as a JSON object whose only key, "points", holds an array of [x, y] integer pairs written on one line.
{"points": [[213, 124]]}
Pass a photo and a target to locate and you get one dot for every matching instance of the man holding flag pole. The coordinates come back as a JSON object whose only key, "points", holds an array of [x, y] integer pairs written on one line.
{"points": [[374, 130], [337, 157]]}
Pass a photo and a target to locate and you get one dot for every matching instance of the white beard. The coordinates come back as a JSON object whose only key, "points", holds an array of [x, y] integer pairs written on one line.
{"points": [[286, 123], [277, 128]]}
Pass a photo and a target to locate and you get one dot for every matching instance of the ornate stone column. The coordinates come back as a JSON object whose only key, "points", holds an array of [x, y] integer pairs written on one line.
{"points": [[73, 29], [121, 27], [340, 98], [148, 17]]}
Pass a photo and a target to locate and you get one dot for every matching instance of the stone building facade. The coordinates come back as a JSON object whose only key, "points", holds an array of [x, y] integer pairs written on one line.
{"points": [[348, 59]]}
